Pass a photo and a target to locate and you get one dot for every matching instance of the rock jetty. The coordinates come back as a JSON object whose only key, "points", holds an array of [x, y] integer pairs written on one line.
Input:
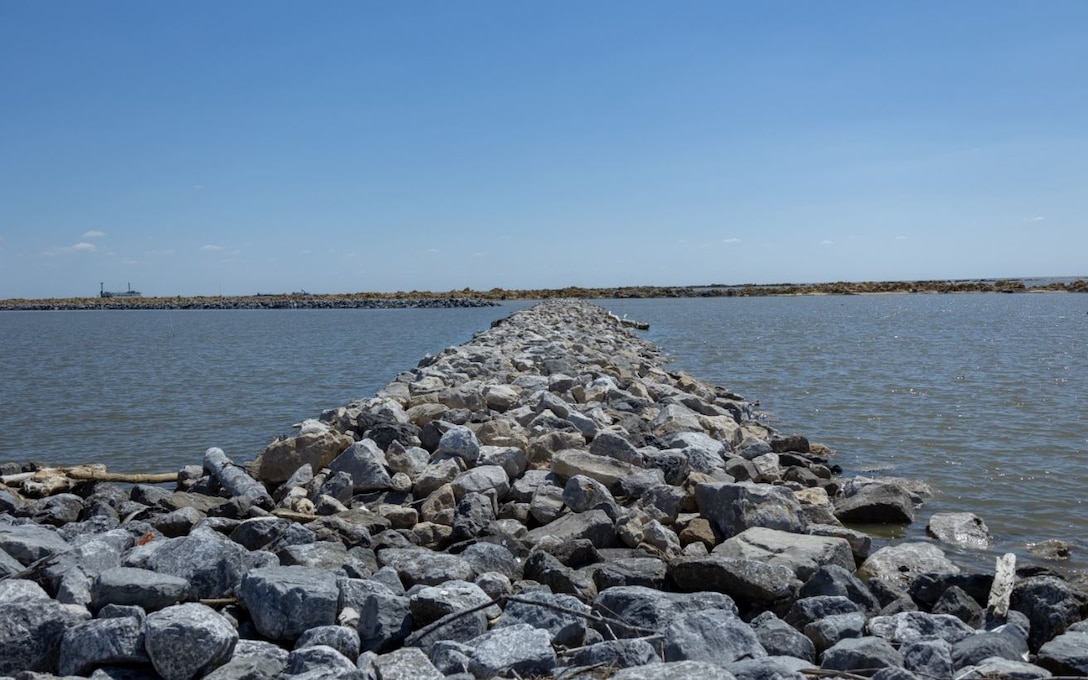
{"points": [[546, 500], [294, 301]]}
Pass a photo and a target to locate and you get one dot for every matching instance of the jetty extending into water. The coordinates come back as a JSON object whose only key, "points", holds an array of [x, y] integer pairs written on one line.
{"points": [[545, 500]]}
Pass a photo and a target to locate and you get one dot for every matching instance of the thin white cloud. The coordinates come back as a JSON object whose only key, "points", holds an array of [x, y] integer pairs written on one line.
{"points": [[1038, 218], [94, 233], [84, 247], [900, 238], [731, 240], [827, 243], [211, 248]]}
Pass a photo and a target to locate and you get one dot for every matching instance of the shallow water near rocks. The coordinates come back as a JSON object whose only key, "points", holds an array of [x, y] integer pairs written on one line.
{"points": [[980, 395]]}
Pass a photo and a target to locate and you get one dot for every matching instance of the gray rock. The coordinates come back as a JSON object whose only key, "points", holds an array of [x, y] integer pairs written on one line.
{"points": [[385, 620], [456, 627], [365, 462], [801, 553], [29, 543], [260, 648], [608, 471], [566, 629], [187, 640], [771, 668], [320, 662], [460, 441], [614, 444], [583, 493], [931, 658], [877, 503], [615, 654], [31, 629], [330, 555], [143, 588], [860, 543], [547, 570], [285, 601], [963, 529], [547, 503], [9, 566], [1066, 654], [409, 663], [1006, 669], [101, 641], [594, 525], [511, 459], [212, 564], [828, 631], [74, 588], [646, 609], [341, 638], [781, 639], [519, 649], [861, 653], [745, 580], [907, 627], [833, 579], [430, 603], [249, 668], [956, 602], [424, 567], [1007, 642], [676, 670], [492, 557], [808, 609], [481, 479], [900, 564], [732, 508], [631, 571], [716, 636], [179, 522], [1050, 604], [437, 474]]}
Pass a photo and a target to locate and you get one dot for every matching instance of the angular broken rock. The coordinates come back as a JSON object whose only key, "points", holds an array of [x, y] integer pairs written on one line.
{"points": [[963, 529]]}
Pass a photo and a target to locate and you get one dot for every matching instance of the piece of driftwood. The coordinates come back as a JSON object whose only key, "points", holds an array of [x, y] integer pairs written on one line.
{"points": [[302, 517], [234, 479], [1004, 580], [53, 480]]}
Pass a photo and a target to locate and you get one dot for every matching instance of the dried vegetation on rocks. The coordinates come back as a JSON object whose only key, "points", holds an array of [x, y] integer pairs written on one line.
{"points": [[544, 500]]}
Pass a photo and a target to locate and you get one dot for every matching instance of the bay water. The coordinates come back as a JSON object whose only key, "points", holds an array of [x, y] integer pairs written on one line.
{"points": [[980, 395]]}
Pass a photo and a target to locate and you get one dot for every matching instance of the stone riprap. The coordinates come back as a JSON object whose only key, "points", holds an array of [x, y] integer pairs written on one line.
{"points": [[545, 498]]}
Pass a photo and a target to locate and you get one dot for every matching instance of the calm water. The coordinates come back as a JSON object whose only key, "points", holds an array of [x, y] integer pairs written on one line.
{"points": [[981, 395]]}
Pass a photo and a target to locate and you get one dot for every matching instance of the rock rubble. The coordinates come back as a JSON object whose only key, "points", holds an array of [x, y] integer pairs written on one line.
{"points": [[546, 499]]}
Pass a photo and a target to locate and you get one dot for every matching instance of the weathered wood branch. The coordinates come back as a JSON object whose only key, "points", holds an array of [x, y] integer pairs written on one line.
{"points": [[235, 480]]}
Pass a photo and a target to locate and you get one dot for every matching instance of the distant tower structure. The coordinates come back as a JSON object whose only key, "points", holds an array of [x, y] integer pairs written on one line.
{"points": [[103, 293]]}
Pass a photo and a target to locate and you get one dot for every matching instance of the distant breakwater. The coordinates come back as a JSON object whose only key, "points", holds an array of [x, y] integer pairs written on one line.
{"points": [[544, 500], [472, 298]]}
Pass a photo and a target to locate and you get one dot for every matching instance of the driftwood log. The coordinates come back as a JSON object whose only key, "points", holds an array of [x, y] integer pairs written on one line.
{"points": [[235, 480], [54, 480]]}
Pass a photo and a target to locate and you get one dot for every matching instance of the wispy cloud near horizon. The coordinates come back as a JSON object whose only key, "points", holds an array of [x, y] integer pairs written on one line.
{"points": [[94, 233], [211, 248], [84, 247]]}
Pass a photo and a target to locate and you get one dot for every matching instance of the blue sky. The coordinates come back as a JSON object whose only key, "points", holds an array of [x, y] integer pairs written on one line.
{"points": [[237, 147]]}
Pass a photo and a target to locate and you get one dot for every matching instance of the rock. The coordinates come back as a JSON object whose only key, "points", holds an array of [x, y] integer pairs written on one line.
{"points": [[900, 564], [645, 609], [341, 638], [519, 649], [385, 620], [676, 670], [1006, 669], [491, 557], [956, 602], [833, 579], [1066, 654], [861, 653], [364, 462], [549, 571], [808, 609], [1050, 604], [876, 504], [745, 580], [716, 636], [187, 640], [828, 631], [430, 603], [1008, 642], [423, 567], [962, 529], [140, 587], [213, 565], [801, 553], [481, 479], [931, 658], [1051, 549], [319, 661], [594, 525], [614, 444], [781, 639], [583, 493], [286, 601], [460, 441], [249, 668], [732, 508], [906, 627], [457, 627], [409, 663], [103, 641], [608, 471], [316, 445], [615, 654], [31, 627], [630, 571], [860, 543], [29, 543], [437, 474], [565, 629]]}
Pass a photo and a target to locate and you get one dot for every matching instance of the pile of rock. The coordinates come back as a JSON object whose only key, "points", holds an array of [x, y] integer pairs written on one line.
{"points": [[545, 500]]}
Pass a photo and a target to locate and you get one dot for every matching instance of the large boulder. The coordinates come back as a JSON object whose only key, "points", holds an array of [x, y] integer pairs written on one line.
{"points": [[285, 601], [876, 503], [961, 529], [1066, 654], [899, 565], [608, 471], [1050, 604], [31, 627], [188, 640], [144, 588], [366, 465], [801, 553], [102, 641], [316, 444], [213, 565], [716, 636], [645, 609], [732, 508], [747, 580]]}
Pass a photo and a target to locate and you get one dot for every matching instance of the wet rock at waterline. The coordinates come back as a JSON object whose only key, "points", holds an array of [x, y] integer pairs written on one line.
{"points": [[545, 497]]}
